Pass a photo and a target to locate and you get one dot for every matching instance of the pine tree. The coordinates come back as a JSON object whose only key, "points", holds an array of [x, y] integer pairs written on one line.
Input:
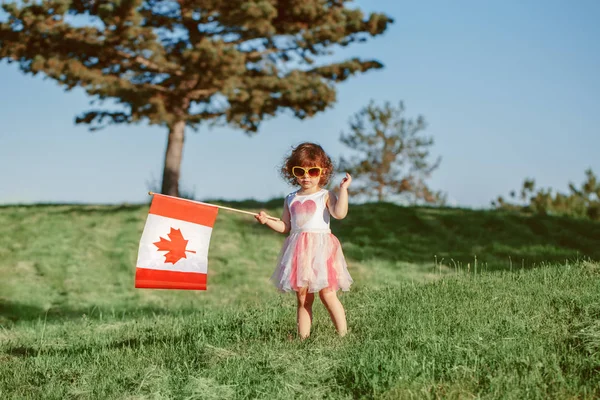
{"points": [[392, 155], [182, 63]]}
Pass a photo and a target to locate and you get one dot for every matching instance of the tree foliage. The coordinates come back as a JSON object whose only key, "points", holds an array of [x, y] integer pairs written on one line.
{"points": [[392, 155], [579, 202], [181, 63]]}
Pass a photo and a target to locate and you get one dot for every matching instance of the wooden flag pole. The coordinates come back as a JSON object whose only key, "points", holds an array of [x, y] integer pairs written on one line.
{"points": [[214, 205]]}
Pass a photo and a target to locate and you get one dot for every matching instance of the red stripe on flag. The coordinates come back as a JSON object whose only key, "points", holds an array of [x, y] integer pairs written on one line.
{"points": [[160, 279], [172, 207]]}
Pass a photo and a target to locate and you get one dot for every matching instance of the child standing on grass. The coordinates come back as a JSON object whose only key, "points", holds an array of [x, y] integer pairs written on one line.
{"points": [[311, 259]]}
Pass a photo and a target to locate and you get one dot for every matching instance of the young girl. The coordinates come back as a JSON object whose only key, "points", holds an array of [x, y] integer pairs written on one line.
{"points": [[311, 259]]}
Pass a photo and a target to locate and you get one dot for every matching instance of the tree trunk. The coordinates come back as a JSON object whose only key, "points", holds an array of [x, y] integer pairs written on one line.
{"points": [[380, 196], [173, 156]]}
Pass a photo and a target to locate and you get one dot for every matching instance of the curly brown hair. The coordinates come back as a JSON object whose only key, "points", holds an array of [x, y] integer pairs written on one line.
{"points": [[307, 155]]}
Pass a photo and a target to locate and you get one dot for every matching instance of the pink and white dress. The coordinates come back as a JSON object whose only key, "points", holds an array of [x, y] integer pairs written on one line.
{"points": [[311, 255]]}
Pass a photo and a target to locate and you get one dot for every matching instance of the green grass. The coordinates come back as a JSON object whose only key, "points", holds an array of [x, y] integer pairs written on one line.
{"points": [[448, 303]]}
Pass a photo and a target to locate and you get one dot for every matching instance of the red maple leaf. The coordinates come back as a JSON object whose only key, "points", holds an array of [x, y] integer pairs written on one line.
{"points": [[176, 247]]}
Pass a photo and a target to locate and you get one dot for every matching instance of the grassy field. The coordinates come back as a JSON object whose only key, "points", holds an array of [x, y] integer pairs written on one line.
{"points": [[448, 303]]}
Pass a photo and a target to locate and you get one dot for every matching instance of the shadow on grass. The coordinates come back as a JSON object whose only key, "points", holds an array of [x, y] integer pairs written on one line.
{"points": [[418, 234], [28, 351], [12, 312]]}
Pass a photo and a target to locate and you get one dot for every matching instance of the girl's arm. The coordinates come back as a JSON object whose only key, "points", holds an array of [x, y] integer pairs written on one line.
{"points": [[282, 226], [338, 206]]}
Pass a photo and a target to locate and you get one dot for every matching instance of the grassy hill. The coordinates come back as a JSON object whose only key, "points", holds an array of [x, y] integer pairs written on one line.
{"points": [[448, 303]]}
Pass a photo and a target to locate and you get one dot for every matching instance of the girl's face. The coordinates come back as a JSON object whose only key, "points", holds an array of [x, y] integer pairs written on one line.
{"points": [[308, 176]]}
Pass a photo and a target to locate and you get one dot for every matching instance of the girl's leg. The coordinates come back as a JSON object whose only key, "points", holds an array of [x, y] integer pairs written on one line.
{"points": [[304, 316], [336, 310]]}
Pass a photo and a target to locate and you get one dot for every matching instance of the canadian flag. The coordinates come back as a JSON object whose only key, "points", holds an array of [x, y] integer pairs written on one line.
{"points": [[173, 252]]}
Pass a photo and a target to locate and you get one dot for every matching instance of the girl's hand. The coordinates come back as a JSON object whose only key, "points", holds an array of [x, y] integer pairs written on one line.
{"points": [[262, 217], [346, 181]]}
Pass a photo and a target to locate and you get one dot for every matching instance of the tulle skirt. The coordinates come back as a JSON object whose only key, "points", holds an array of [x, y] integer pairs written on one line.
{"points": [[312, 260]]}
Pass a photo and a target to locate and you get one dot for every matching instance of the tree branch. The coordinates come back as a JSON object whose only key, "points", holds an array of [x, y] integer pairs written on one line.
{"points": [[147, 63]]}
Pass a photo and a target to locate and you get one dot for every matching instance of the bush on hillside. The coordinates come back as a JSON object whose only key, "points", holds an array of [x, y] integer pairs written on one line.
{"points": [[583, 202]]}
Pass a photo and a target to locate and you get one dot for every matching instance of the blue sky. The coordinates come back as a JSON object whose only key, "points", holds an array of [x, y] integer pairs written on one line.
{"points": [[509, 89]]}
